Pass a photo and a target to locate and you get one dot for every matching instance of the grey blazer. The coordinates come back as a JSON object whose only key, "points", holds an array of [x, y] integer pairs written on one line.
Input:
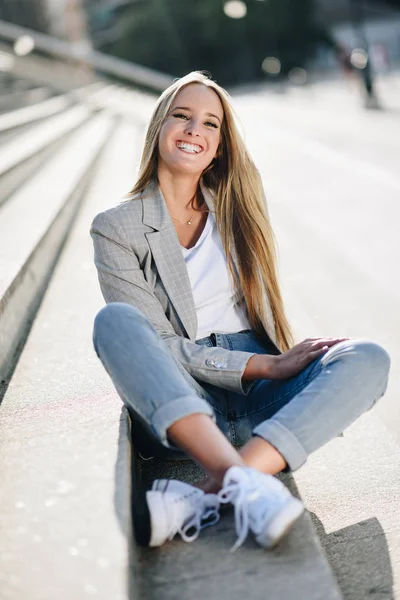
{"points": [[139, 261]]}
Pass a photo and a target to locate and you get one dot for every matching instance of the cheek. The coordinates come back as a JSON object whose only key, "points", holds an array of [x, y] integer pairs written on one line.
{"points": [[163, 141], [163, 135]]}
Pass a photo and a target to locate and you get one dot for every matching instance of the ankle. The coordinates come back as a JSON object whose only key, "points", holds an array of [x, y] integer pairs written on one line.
{"points": [[208, 485]]}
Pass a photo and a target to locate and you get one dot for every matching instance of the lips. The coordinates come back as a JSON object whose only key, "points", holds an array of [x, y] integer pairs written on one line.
{"points": [[189, 147]]}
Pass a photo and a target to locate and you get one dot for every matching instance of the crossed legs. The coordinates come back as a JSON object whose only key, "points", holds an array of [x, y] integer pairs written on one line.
{"points": [[349, 379]]}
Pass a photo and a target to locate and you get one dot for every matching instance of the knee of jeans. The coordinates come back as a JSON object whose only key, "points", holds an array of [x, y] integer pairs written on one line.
{"points": [[111, 314], [372, 356]]}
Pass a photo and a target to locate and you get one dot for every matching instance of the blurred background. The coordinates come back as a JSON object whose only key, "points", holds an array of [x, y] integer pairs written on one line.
{"points": [[236, 40]]}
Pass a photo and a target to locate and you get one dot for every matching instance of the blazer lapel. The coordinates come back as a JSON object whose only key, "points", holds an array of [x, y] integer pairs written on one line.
{"points": [[168, 258]]}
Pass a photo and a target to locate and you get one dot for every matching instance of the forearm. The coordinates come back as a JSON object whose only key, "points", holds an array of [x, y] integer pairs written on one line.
{"points": [[259, 366]]}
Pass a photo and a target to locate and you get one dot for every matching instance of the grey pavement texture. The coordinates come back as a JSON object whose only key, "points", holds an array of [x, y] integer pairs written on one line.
{"points": [[65, 453]]}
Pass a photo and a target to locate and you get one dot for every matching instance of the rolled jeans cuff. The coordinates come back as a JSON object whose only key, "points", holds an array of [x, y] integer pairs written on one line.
{"points": [[168, 414], [284, 441]]}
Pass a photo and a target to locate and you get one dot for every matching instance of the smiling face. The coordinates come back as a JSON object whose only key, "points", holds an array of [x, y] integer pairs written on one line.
{"points": [[191, 132]]}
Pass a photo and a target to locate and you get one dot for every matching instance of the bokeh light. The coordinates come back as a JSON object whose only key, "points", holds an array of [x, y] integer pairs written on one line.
{"points": [[298, 76], [271, 65], [235, 9], [24, 45], [359, 58]]}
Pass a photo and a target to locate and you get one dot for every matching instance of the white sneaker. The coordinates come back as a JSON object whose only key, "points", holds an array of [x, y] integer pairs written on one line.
{"points": [[177, 507], [262, 504]]}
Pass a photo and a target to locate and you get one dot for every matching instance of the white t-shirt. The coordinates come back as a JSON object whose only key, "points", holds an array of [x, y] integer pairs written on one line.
{"points": [[218, 308]]}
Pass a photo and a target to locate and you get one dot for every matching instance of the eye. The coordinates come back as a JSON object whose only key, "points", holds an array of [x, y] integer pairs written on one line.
{"points": [[180, 116], [211, 124]]}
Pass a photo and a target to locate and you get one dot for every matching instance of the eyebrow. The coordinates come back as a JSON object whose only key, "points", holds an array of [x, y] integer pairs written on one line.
{"points": [[187, 108]]}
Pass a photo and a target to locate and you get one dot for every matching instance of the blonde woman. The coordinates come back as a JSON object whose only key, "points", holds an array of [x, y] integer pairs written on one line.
{"points": [[195, 337]]}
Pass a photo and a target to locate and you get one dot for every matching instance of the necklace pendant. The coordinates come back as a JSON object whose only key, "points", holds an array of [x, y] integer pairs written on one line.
{"points": [[189, 222]]}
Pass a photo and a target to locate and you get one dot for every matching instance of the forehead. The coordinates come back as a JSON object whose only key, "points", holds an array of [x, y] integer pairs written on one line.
{"points": [[197, 95]]}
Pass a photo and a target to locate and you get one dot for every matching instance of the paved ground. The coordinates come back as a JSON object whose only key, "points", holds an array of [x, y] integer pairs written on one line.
{"points": [[331, 172], [64, 501]]}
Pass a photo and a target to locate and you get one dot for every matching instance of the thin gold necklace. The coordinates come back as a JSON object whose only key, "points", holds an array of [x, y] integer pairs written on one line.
{"points": [[190, 220], [186, 222]]}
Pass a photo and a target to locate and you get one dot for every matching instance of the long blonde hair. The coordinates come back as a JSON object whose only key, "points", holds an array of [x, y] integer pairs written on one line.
{"points": [[240, 210]]}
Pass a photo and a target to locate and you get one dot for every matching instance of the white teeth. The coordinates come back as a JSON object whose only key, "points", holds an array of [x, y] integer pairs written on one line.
{"points": [[193, 148]]}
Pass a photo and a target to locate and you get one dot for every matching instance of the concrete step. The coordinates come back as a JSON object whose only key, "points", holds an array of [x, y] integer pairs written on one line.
{"points": [[33, 226], [352, 488], [128, 102], [37, 69], [64, 452], [18, 99], [14, 119], [24, 154], [40, 110]]}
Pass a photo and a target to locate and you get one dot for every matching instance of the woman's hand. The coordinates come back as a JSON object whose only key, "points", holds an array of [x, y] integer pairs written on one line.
{"points": [[291, 362]]}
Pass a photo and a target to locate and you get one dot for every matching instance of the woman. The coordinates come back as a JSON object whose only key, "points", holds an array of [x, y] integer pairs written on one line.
{"points": [[195, 336]]}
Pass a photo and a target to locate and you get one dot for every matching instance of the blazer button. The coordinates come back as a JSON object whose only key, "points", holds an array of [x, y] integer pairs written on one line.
{"points": [[217, 363]]}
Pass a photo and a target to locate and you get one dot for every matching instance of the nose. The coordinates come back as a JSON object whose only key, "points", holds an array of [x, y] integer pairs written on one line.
{"points": [[192, 128]]}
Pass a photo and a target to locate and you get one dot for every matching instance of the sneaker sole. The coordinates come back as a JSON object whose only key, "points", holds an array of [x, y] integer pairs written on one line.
{"points": [[158, 516], [281, 524], [139, 509]]}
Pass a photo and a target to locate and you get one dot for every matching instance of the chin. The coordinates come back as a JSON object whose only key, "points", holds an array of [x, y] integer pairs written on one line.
{"points": [[182, 167]]}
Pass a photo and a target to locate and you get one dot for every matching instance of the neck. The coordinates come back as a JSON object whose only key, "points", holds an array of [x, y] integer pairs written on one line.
{"points": [[178, 189]]}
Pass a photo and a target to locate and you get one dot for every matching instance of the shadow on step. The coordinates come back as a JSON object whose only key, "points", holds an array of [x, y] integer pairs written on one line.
{"points": [[359, 557]]}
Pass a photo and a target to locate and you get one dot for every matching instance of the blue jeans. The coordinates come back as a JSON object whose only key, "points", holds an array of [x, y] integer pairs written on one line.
{"points": [[296, 415]]}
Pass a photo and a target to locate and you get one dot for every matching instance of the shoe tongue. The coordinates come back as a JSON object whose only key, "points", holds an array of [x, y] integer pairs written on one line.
{"points": [[237, 475]]}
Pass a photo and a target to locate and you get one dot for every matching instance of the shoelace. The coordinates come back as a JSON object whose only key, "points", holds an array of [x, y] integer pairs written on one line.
{"points": [[241, 495], [206, 508]]}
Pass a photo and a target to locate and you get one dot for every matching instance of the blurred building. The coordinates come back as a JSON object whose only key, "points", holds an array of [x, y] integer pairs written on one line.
{"points": [[103, 19], [64, 19], [27, 13], [352, 22]]}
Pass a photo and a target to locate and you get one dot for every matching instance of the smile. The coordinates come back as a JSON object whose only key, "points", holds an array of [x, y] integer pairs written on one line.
{"points": [[190, 148]]}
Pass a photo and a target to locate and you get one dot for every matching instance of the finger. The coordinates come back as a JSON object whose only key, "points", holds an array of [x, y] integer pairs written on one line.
{"points": [[338, 340], [315, 353], [329, 341], [320, 343]]}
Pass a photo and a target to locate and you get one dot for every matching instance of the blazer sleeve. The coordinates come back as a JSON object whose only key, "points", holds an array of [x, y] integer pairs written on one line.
{"points": [[122, 280]]}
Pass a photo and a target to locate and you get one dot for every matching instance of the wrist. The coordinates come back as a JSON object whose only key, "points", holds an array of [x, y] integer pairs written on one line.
{"points": [[269, 366], [259, 366]]}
